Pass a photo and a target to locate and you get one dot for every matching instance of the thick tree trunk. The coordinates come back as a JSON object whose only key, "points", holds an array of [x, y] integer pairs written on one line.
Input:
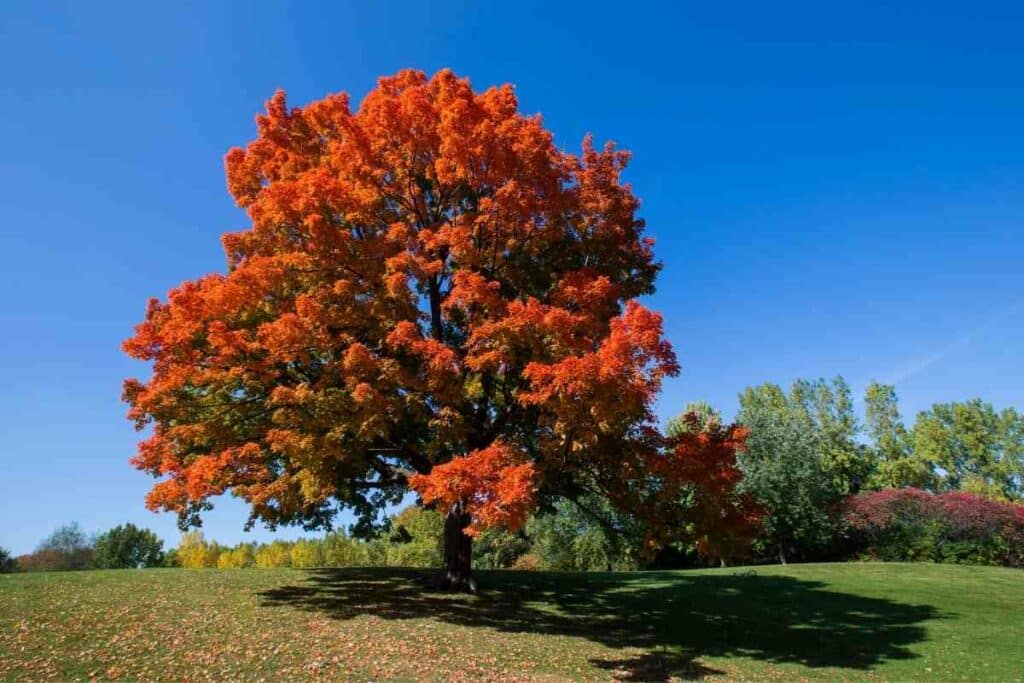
{"points": [[782, 555], [458, 553]]}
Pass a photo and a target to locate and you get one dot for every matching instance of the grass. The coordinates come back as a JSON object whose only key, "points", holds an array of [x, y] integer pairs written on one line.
{"points": [[817, 622]]}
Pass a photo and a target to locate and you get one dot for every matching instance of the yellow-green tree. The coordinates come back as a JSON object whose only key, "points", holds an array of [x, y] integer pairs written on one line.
{"points": [[241, 556], [276, 554], [194, 552], [416, 538], [306, 554]]}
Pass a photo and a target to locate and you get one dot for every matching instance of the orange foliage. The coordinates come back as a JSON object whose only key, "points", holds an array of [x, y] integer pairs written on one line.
{"points": [[495, 485], [429, 293], [701, 467]]}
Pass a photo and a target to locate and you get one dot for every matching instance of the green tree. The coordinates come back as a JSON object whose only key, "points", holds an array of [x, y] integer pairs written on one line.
{"points": [[975, 448], [786, 471], [706, 413], [896, 465], [584, 535], [341, 551], [499, 548], [7, 562], [128, 547], [415, 538], [171, 558], [826, 410]]}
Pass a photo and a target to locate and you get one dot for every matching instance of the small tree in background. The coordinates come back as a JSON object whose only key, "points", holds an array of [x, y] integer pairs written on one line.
{"points": [[702, 492], [241, 556], [305, 554], [585, 535], [978, 449], [415, 538], [7, 562], [171, 559], [128, 547], [825, 407], [499, 548], [274, 555], [341, 551], [785, 471], [896, 463], [66, 548], [194, 552]]}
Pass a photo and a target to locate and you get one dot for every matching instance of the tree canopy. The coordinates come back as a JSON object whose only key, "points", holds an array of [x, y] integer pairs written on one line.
{"points": [[797, 464], [430, 294], [128, 547]]}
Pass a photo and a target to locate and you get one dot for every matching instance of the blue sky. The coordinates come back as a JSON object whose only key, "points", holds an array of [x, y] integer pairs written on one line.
{"points": [[832, 190]]}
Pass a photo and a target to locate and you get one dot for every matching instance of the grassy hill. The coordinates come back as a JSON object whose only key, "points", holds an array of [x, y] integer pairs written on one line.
{"points": [[820, 622]]}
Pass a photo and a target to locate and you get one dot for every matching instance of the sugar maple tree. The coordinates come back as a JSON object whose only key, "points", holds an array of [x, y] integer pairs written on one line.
{"points": [[430, 295]]}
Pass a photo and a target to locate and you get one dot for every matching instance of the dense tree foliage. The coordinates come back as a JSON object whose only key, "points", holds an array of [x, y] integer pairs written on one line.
{"points": [[902, 525], [66, 548], [584, 535], [415, 536], [826, 410], [128, 547], [786, 470], [498, 548], [895, 463], [7, 562], [971, 447], [430, 295]]}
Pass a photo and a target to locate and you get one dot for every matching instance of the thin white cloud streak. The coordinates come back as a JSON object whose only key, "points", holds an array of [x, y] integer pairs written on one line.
{"points": [[922, 364]]}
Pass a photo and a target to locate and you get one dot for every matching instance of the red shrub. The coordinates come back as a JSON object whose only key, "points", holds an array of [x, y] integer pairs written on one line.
{"points": [[911, 524]]}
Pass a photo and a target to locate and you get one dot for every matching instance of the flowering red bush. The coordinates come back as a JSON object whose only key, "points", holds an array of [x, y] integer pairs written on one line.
{"points": [[911, 524]]}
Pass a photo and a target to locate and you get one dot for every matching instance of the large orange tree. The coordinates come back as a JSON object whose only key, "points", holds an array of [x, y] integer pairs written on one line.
{"points": [[431, 295]]}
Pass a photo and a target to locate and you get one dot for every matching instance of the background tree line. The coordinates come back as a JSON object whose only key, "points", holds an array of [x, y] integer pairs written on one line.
{"points": [[807, 455], [828, 487], [68, 547]]}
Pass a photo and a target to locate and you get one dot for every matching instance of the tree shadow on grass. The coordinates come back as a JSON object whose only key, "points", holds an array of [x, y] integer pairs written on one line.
{"points": [[674, 618]]}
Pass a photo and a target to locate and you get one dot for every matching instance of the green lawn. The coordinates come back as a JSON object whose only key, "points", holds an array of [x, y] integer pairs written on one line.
{"points": [[824, 622]]}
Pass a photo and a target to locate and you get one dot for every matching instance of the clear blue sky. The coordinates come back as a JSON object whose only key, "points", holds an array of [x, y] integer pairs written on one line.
{"points": [[833, 190]]}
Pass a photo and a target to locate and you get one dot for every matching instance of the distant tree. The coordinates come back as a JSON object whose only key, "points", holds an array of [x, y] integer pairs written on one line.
{"points": [[66, 548], [274, 555], [499, 548], [415, 538], [241, 556], [128, 547], [171, 558], [720, 519], [194, 552], [786, 471], [341, 551], [306, 554], [826, 410], [587, 534], [706, 416], [975, 448], [895, 463], [7, 562]]}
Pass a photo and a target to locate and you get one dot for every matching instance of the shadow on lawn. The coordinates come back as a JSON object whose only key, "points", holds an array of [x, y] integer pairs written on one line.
{"points": [[675, 618]]}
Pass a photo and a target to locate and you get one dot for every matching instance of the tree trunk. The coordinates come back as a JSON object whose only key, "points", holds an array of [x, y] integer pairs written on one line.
{"points": [[458, 553], [782, 555]]}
